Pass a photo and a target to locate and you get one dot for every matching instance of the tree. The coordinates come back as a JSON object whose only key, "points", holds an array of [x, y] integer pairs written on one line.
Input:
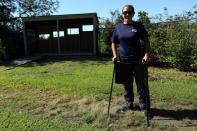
{"points": [[106, 30], [23, 8], [36, 7], [143, 17], [4, 15], [173, 40], [31, 7], [4, 19]]}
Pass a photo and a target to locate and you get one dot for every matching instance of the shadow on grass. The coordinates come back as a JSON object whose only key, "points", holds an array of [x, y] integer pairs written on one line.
{"points": [[53, 59], [176, 114], [50, 59]]}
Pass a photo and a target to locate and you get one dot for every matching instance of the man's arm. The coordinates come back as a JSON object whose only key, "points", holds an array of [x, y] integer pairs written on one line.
{"points": [[147, 49], [114, 51]]}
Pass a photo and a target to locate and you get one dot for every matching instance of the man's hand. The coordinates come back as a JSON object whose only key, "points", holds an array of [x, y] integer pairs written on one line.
{"points": [[114, 58], [145, 58]]}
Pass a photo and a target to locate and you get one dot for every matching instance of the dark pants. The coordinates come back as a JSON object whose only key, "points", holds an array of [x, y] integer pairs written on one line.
{"points": [[140, 72]]}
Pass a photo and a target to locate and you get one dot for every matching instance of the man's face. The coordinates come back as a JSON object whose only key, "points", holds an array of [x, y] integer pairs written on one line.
{"points": [[127, 13]]}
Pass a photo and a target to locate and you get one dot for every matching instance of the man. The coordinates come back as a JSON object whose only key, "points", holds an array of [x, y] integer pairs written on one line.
{"points": [[127, 36]]}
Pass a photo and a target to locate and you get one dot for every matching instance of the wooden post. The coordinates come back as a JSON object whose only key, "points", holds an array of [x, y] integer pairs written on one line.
{"points": [[58, 38], [25, 38]]}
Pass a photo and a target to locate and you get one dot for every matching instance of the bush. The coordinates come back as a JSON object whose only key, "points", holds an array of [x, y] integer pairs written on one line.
{"points": [[105, 41], [174, 44]]}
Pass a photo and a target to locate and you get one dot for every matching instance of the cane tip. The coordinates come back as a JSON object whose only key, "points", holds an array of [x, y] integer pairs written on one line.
{"points": [[108, 119]]}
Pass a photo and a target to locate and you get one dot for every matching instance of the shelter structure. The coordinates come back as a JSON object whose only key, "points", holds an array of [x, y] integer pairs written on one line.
{"points": [[72, 34]]}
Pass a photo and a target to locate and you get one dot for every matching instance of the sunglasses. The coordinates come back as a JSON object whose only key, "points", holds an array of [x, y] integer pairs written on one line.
{"points": [[126, 12]]}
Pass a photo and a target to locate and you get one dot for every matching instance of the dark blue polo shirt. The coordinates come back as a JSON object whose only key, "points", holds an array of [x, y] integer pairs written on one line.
{"points": [[128, 37]]}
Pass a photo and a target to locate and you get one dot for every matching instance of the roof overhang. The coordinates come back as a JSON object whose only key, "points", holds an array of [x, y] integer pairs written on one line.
{"points": [[60, 17]]}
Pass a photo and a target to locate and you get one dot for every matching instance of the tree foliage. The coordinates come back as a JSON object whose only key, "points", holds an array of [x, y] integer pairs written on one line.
{"points": [[4, 19], [24, 8], [143, 17], [174, 42], [106, 30], [36, 7], [31, 7]]}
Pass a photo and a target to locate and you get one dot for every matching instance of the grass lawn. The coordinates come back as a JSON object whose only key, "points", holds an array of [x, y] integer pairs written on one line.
{"points": [[73, 95]]}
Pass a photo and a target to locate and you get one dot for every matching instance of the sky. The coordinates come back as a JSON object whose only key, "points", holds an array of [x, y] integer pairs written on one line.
{"points": [[103, 7]]}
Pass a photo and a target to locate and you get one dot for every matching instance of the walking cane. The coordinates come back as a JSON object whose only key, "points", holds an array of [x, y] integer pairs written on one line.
{"points": [[112, 82], [146, 94]]}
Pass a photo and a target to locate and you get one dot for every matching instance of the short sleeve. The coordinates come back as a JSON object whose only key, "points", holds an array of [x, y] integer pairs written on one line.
{"points": [[114, 38], [142, 31]]}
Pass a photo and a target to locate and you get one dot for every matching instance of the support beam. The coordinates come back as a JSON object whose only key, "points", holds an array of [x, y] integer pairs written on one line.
{"points": [[25, 39], [94, 35], [58, 38]]}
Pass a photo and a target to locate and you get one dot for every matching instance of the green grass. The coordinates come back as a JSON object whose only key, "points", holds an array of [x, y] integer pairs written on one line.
{"points": [[88, 77], [94, 78], [19, 121], [73, 95]]}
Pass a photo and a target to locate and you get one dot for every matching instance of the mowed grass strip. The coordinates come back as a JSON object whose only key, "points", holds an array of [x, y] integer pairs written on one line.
{"points": [[93, 78], [77, 91], [75, 77], [20, 121]]}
